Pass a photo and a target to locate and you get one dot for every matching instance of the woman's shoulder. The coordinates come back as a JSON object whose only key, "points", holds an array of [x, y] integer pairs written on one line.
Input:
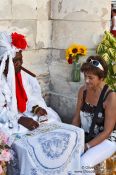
{"points": [[110, 93], [81, 90], [110, 96]]}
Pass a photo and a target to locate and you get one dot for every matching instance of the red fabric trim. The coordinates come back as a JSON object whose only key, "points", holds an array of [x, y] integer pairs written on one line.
{"points": [[20, 93]]}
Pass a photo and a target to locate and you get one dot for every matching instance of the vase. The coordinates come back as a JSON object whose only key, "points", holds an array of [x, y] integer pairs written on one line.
{"points": [[76, 72]]}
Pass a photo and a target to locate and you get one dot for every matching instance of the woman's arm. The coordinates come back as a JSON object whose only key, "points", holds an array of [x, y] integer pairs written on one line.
{"points": [[76, 118], [110, 120]]}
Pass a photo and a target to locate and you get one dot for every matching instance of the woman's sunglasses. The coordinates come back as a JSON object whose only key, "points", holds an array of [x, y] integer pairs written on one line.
{"points": [[96, 63]]}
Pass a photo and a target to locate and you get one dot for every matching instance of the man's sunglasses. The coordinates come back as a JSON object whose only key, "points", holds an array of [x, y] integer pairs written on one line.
{"points": [[96, 63]]}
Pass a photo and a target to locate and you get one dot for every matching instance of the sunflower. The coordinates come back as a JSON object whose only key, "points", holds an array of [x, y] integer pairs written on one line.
{"points": [[74, 51], [82, 50]]}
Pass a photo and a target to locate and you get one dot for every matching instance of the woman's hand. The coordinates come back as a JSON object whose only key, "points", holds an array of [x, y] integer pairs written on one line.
{"points": [[28, 123]]}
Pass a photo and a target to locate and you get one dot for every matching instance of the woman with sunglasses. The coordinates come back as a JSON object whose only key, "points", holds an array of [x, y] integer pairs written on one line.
{"points": [[101, 143]]}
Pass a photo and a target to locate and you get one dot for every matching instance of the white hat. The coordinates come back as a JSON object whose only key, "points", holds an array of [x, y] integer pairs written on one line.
{"points": [[10, 43]]}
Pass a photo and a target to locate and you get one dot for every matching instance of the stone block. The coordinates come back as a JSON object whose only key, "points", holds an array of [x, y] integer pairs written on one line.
{"points": [[27, 28], [5, 9], [60, 70], [24, 9], [36, 57], [5, 26], [43, 80], [58, 55], [67, 88], [79, 10], [44, 34], [64, 106], [43, 9], [86, 33], [37, 61], [40, 69]]}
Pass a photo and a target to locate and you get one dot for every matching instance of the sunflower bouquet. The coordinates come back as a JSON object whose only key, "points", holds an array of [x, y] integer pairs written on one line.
{"points": [[74, 52]]}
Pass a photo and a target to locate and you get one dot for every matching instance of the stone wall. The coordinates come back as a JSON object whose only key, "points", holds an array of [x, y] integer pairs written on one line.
{"points": [[51, 26]]}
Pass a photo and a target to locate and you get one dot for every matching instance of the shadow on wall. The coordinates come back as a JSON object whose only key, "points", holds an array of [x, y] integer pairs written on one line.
{"points": [[64, 106]]}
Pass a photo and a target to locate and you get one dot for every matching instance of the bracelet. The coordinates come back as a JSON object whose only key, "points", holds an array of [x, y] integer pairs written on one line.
{"points": [[88, 145], [35, 109]]}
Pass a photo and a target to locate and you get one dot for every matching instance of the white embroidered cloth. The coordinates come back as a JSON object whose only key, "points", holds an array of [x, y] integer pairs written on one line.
{"points": [[52, 149]]}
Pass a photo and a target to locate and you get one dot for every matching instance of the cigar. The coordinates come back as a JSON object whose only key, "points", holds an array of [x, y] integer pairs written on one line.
{"points": [[27, 71]]}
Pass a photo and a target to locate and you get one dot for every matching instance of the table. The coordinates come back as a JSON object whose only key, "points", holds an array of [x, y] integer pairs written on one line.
{"points": [[51, 149]]}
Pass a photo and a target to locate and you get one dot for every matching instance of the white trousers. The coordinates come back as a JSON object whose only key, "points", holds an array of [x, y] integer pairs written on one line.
{"points": [[96, 155]]}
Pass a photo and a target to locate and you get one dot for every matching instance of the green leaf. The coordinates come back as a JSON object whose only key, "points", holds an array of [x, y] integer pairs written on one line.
{"points": [[107, 49], [112, 53], [106, 57], [101, 49], [106, 43], [110, 37]]}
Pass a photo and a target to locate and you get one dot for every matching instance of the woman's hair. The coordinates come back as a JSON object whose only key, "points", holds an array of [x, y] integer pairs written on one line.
{"points": [[95, 65]]}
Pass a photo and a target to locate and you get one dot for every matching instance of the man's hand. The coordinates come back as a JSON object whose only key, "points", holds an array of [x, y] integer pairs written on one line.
{"points": [[41, 111], [28, 123]]}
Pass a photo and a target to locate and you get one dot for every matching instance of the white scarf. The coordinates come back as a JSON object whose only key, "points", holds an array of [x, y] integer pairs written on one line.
{"points": [[7, 50]]}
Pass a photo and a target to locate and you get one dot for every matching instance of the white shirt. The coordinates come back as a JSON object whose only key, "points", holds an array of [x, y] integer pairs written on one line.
{"points": [[33, 91]]}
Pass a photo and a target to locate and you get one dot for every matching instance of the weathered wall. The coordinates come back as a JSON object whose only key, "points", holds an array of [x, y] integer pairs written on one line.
{"points": [[51, 26]]}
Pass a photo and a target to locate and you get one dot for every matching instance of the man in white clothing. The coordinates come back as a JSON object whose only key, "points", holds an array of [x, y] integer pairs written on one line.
{"points": [[50, 149], [21, 102]]}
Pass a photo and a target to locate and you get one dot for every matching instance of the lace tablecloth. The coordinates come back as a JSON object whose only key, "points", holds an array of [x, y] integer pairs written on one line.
{"points": [[51, 149]]}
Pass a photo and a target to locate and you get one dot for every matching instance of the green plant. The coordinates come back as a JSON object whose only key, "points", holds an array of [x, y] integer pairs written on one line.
{"points": [[107, 50]]}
